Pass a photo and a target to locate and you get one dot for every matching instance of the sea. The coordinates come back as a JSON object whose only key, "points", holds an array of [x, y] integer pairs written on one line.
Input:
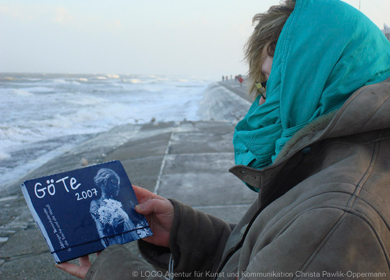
{"points": [[44, 115]]}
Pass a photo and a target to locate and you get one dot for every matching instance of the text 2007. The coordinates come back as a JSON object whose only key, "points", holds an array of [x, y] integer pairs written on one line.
{"points": [[86, 194]]}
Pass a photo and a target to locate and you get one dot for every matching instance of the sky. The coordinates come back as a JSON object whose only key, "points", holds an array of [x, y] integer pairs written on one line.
{"points": [[200, 38]]}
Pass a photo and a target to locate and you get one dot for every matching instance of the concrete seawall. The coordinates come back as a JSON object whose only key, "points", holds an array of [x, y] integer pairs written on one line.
{"points": [[186, 160]]}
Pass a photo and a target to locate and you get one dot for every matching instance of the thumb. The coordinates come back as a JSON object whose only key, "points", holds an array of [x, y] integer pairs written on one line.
{"points": [[140, 208], [156, 206]]}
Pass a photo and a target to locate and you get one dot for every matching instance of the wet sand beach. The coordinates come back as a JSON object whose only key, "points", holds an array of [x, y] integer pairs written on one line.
{"points": [[185, 160]]}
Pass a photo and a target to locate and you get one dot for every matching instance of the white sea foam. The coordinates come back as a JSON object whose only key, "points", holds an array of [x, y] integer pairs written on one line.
{"points": [[113, 76], [33, 79], [20, 92], [40, 89], [59, 81], [117, 85], [4, 155], [86, 101], [37, 109]]}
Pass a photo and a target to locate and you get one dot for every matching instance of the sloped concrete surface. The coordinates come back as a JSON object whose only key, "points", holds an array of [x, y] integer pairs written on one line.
{"points": [[188, 161]]}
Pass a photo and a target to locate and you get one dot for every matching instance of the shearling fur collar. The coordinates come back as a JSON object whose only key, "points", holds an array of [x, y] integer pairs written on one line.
{"points": [[366, 110]]}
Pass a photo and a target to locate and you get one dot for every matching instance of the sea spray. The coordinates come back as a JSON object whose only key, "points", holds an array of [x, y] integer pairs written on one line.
{"points": [[44, 115]]}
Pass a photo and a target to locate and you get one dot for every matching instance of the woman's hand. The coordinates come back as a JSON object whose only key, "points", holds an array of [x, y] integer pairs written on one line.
{"points": [[159, 213], [77, 270]]}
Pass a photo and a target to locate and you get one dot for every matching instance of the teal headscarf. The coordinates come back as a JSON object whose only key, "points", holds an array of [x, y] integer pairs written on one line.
{"points": [[326, 51]]}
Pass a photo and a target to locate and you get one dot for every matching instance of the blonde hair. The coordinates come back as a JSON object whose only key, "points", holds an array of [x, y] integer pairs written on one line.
{"points": [[264, 38]]}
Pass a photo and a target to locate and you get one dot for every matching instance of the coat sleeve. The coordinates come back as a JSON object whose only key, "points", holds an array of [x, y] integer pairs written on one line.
{"points": [[196, 244], [320, 244], [197, 239], [116, 262]]}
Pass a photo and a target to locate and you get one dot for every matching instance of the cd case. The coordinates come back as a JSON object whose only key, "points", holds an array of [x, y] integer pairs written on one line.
{"points": [[85, 210]]}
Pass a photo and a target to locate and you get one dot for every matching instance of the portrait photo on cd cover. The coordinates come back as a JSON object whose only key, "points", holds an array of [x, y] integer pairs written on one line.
{"points": [[85, 210], [112, 222]]}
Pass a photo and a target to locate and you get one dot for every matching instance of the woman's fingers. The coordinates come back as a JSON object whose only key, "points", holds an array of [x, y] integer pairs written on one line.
{"points": [[77, 270], [143, 194], [155, 206], [72, 269], [84, 261]]}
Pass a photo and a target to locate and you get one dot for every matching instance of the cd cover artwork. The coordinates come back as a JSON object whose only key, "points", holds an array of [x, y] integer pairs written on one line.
{"points": [[85, 210]]}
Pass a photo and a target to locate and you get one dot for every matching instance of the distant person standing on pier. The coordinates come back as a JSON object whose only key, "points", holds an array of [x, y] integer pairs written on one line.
{"points": [[223, 78], [240, 79], [315, 146]]}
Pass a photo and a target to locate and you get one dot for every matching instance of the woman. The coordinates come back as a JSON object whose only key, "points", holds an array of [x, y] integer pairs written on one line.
{"points": [[315, 145], [112, 222]]}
